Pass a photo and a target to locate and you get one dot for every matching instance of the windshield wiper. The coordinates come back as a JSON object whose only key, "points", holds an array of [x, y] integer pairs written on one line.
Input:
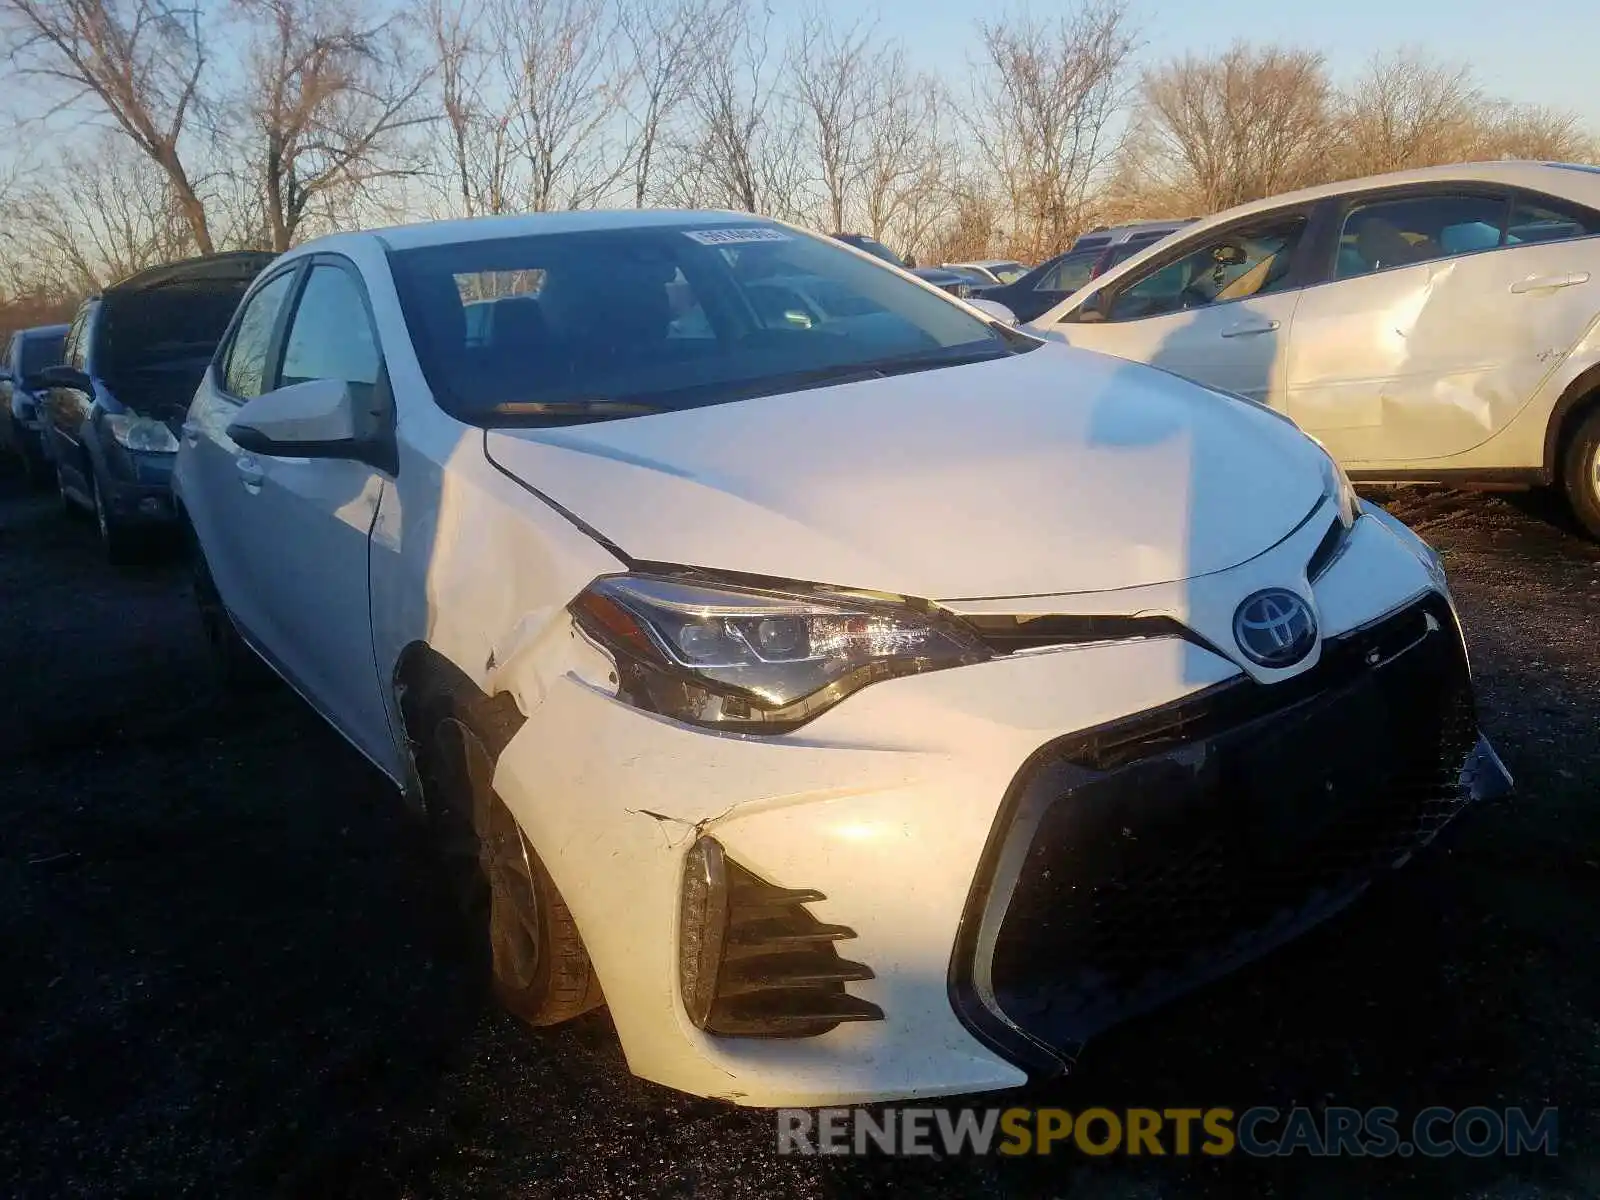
{"points": [[598, 408]]}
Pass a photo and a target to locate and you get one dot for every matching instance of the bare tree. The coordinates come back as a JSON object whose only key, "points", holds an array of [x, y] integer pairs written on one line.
{"points": [[1407, 111], [137, 61], [479, 108], [1533, 131], [1238, 126], [742, 147], [326, 94], [557, 62], [1046, 98], [98, 214], [666, 42], [835, 76]]}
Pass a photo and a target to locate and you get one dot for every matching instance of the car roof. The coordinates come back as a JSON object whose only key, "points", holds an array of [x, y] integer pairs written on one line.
{"points": [[482, 229], [1570, 180]]}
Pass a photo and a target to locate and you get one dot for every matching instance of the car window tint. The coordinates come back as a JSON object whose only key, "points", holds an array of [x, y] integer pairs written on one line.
{"points": [[1416, 229], [1549, 221], [1243, 262], [331, 336], [246, 365], [670, 315], [1068, 275]]}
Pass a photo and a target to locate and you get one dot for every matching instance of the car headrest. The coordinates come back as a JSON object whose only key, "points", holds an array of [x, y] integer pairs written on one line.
{"points": [[1382, 245]]}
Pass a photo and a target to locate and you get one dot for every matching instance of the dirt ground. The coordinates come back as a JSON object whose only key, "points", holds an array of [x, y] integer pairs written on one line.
{"points": [[224, 970]]}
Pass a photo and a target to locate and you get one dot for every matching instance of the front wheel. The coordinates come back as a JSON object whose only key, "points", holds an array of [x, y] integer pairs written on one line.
{"points": [[541, 972], [116, 539], [1580, 472]]}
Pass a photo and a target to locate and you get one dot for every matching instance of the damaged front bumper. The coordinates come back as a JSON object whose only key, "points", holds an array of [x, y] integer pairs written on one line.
{"points": [[983, 887], [1136, 861]]}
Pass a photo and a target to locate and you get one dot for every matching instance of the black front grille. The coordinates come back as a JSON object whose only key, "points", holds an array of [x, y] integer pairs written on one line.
{"points": [[1138, 859]]}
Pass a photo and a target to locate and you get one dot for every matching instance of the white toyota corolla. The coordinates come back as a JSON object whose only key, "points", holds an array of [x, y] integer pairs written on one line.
{"points": [[861, 698]]}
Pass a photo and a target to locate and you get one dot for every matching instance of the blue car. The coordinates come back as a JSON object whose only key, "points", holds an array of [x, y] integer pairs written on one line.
{"points": [[28, 353], [114, 407]]}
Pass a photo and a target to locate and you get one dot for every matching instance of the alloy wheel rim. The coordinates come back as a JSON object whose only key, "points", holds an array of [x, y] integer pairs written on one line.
{"points": [[515, 918]]}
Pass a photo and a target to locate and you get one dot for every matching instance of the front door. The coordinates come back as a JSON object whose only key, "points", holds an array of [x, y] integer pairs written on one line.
{"points": [[1217, 309], [307, 523]]}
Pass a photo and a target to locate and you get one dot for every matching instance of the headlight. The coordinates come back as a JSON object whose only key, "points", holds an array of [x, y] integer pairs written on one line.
{"points": [[752, 660], [141, 433], [1337, 484]]}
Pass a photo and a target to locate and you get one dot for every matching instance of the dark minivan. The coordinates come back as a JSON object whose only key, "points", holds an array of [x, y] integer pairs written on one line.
{"points": [[114, 407]]}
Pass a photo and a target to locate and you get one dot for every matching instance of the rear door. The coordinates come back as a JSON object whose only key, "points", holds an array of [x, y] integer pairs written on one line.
{"points": [[1445, 309], [1217, 307], [306, 522]]}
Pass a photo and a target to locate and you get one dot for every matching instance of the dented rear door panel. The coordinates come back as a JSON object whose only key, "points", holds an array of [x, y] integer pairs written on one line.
{"points": [[1428, 361]]}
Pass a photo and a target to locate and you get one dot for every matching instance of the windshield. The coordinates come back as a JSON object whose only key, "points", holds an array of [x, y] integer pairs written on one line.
{"points": [[564, 327], [40, 351]]}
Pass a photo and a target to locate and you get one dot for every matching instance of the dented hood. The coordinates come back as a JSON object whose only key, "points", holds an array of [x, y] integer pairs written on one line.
{"points": [[1052, 471]]}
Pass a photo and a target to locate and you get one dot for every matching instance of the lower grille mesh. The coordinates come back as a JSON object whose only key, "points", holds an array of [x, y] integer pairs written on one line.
{"points": [[1165, 849]]}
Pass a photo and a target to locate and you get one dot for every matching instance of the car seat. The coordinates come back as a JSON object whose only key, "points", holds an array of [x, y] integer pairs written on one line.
{"points": [[1381, 245]]}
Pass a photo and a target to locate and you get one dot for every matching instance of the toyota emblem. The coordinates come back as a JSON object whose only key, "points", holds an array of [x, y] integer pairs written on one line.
{"points": [[1275, 628]]}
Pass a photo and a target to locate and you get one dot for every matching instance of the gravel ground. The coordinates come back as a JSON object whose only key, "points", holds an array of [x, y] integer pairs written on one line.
{"points": [[226, 972]]}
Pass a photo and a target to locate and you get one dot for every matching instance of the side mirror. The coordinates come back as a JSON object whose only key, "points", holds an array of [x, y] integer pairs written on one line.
{"points": [[315, 419], [63, 376], [994, 308]]}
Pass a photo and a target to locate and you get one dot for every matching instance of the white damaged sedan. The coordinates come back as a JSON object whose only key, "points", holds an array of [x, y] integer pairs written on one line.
{"points": [[861, 698]]}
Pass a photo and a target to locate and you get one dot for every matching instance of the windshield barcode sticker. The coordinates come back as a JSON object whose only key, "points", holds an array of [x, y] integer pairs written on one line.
{"points": [[734, 237]]}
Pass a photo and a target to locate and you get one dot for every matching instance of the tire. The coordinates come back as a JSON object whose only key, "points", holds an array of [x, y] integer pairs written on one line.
{"points": [[1580, 472], [68, 505], [118, 541], [540, 970], [238, 669]]}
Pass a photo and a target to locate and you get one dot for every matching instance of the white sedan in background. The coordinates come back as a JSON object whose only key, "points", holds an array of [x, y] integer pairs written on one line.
{"points": [[859, 708], [1439, 325]]}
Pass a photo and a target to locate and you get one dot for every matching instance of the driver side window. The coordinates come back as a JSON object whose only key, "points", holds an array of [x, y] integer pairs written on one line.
{"points": [[1243, 262]]}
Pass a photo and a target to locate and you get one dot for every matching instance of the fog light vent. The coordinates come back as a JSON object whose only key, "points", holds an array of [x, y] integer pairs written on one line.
{"points": [[753, 962]]}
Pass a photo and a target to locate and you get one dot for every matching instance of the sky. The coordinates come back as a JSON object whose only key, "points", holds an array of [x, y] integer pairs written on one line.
{"points": [[1538, 52]]}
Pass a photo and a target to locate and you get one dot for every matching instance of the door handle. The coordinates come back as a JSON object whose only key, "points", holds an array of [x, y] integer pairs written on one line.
{"points": [[191, 432], [1540, 283], [1247, 330], [250, 471]]}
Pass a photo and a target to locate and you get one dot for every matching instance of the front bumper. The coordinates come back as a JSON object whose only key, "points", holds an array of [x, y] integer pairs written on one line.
{"points": [[140, 492], [898, 804], [1138, 860]]}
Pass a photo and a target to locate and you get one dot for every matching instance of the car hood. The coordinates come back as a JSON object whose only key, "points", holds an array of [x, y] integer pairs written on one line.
{"points": [[1052, 471]]}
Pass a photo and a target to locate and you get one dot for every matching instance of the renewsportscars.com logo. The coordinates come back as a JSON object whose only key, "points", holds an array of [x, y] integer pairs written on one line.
{"points": [[1260, 1132]]}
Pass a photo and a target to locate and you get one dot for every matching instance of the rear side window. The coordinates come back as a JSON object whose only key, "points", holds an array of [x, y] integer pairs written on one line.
{"points": [[1417, 229], [1540, 220], [245, 368], [330, 336]]}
